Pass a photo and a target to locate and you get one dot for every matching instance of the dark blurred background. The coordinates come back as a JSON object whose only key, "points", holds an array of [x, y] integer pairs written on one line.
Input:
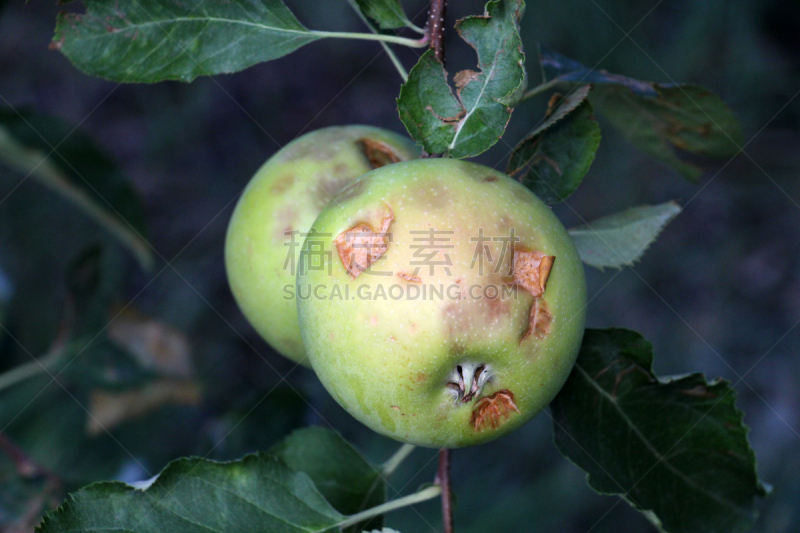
{"points": [[718, 293]]}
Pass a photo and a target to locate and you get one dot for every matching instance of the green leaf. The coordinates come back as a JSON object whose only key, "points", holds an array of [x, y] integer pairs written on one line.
{"points": [[171, 40], [48, 422], [553, 160], [341, 474], [257, 493], [387, 14], [620, 239], [561, 106], [67, 162], [676, 449], [424, 100], [473, 119], [683, 117], [657, 118]]}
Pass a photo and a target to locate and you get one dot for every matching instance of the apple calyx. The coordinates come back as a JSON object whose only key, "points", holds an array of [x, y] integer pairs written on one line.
{"points": [[467, 381], [360, 246]]}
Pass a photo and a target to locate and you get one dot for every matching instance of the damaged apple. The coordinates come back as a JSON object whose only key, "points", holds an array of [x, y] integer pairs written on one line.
{"points": [[440, 302], [276, 210]]}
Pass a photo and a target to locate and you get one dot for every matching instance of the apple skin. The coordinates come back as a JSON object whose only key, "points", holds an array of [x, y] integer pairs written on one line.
{"points": [[285, 195], [393, 362]]}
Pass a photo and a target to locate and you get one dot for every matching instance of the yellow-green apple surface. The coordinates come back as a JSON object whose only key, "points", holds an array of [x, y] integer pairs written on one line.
{"points": [[441, 303], [276, 211]]}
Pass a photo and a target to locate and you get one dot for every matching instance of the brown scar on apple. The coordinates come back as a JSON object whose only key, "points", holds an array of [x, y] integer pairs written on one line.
{"points": [[283, 184], [540, 320], [378, 153], [492, 411], [360, 246], [408, 277], [531, 270]]}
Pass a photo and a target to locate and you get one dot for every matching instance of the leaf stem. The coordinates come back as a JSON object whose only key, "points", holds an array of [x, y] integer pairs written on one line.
{"points": [[405, 41], [425, 494], [542, 87], [395, 61], [443, 481], [28, 370], [416, 28], [395, 460]]}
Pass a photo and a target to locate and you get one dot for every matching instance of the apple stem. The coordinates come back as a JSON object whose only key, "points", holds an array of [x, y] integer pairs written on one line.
{"points": [[443, 480], [435, 28]]}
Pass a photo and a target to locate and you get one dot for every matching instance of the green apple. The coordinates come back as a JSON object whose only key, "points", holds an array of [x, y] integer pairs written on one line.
{"points": [[276, 211], [441, 302]]}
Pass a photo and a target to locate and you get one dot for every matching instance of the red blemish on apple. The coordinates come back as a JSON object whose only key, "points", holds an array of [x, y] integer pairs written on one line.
{"points": [[408, 277]]}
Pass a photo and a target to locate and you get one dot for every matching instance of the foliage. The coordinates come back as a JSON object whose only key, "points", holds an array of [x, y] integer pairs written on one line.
{"points": [[687, 463], [675, 449]]}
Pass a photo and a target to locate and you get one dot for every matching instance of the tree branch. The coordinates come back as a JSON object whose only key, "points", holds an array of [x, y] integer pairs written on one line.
{"points": [[443, 480], [25, 466], [434, 33], [435, 28]]}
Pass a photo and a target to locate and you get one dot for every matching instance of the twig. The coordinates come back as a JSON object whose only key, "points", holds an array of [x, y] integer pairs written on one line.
{"points": [[25, 466], [539, 89], [435, 28], [20, 373], [395, 61], [46, 362], [394, 461], [421, 496], [443, 480]]}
